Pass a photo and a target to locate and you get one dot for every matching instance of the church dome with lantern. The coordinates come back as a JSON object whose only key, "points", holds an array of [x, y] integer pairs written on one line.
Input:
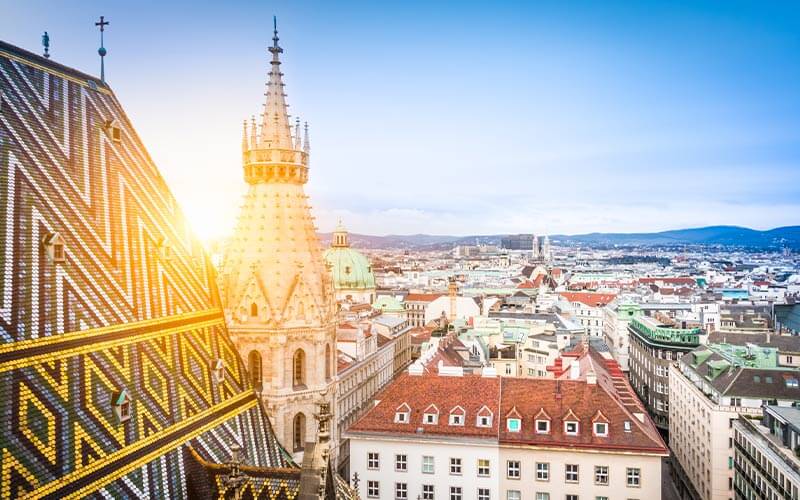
{"points": [[351, 271]]}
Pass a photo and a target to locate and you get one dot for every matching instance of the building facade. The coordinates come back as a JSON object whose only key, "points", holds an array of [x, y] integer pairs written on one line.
{"points": [[587, 309], [653, 348], [710, 388], [456, 436], [616, 317], [765, 461], [277, 293]]}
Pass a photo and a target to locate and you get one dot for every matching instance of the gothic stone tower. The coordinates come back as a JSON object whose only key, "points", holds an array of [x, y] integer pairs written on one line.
{"points": [[276, 289]]}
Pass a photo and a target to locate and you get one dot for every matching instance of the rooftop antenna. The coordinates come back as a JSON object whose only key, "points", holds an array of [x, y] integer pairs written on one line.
{"points": [[102, 50], [46, 45]]}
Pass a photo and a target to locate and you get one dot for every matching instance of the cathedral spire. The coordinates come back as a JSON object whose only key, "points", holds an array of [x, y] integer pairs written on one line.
{"points": [[275, 128], [306, 142]]}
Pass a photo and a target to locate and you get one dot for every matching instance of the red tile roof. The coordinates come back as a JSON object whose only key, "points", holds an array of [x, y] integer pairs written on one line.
{"points": [[423, 297], [558, 399], [591, 299], [470, 392]]}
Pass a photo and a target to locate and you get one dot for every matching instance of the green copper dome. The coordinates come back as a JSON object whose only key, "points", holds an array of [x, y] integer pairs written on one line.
{"points": [[350, 269]]}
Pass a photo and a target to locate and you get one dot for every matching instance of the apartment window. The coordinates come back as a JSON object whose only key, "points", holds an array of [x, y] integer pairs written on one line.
{"points": [[513, 469], [427, 465], [571, 475], [401, 463], [542, 471], [601, 474], [542, 496], [373, 489], [513, 495], [400, 491], [484, 494], [373, 461], [601, 429], [427, 492], [508, 369], [542, 427], [571, 428], [572, 497], [600, 498], [634, 476], [483, 467], [513, 424], [455, 466], [455, 493]]}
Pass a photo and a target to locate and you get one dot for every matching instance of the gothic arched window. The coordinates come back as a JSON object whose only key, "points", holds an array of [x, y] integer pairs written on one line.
{"points": [[254, 364], [299, 434], [328, 362], [299, 368], [253, 309]]}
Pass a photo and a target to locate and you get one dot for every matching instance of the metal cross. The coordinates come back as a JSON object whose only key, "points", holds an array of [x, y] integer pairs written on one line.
{"points": [[102, 50], [102, 23]]}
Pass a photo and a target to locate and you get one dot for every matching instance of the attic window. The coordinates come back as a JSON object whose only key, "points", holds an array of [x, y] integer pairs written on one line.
{"points": [[457, 416], [571, 428], [122, 406], [542, 427], [402, 414], [627, 426], [219, 371], [513, 424], [54, 247], [112, 127], [431, 415], [601, 429]]}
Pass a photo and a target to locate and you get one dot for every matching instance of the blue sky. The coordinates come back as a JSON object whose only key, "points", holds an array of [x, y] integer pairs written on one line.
{"points": [[465, 118]]}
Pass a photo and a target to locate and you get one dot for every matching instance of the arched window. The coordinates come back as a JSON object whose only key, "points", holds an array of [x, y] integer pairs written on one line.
{"points": [[327, 362], [299, 434], [299, 365], [254, 364], [253, 309]]}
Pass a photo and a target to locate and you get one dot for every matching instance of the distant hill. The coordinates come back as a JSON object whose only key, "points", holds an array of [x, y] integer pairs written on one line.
{"points": [[780, 237], [788, 236]]}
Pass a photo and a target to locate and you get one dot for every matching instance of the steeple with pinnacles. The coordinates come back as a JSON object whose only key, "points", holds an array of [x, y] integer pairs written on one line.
{"points": [[275, 286]]}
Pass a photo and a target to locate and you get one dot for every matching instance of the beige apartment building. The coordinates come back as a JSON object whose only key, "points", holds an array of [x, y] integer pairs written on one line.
{"points": [[710, 388]]}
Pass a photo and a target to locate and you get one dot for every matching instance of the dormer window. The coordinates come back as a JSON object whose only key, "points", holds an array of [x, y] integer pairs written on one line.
{"points": [[484, 418], [122, 406], [542, 421], [219, 371], [600, 424], [457, 416], [571, 428], [513, 420], [542, 427], [54, 247], [402, 414], [431, 415], [601, 429], [113, 130]]}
